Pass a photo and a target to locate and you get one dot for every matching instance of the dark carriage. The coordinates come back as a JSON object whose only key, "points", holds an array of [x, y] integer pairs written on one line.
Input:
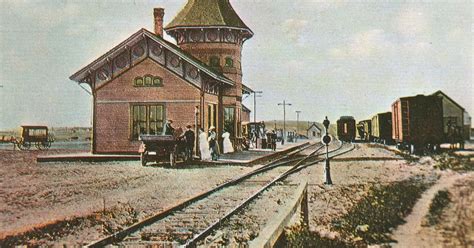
{"points": [[346, 128], [38, 136], [156, 148], [417, 123]]}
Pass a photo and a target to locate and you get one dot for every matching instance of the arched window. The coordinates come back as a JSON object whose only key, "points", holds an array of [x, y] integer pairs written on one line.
{"points": [[214, 61], [229, 62]]}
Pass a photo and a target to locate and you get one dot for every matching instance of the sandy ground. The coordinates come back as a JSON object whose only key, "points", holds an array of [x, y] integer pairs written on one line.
{"points": [[32, 194], [352, 177], [457, 227]]}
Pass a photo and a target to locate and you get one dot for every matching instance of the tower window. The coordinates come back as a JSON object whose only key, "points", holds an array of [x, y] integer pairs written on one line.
{"points": [[214, 61], [229, 62]]}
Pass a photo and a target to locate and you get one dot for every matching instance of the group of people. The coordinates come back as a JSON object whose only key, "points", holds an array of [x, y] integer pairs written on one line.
{"points": [[208, 142], [268, 140], [209, 146]]}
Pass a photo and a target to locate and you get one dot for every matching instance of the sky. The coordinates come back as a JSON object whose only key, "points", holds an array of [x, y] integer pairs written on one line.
{"points": [[326, 58]]}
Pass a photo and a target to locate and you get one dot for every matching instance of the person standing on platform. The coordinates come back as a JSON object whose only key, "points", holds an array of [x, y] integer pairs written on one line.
{"points": [[228, 148], [274, 140], [168, 130], [204, 146], [189, 138], [213, 143]]}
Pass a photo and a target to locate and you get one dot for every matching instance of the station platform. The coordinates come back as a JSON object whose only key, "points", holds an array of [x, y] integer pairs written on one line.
{"points": [[250, 157]]}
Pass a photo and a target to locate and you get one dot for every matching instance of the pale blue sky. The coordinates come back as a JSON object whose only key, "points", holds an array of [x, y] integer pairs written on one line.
{"points": [[325, 57]]}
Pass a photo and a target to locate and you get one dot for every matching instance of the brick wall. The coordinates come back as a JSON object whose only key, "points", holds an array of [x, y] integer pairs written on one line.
{"points": [[115, 98]]}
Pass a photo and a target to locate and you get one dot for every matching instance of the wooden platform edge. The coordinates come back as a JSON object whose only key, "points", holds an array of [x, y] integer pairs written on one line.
{"points": [[272, 232]]}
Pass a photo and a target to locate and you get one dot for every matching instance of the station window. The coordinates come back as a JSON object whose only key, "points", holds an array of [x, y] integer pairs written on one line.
{"points": [[146, 119], [148, 81], [229, 62], [214, 61], [229, 120]]}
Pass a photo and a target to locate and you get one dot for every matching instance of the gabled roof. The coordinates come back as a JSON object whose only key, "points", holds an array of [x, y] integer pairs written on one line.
{"points": [[102, 60], [314, 125], [440, 93], [208, 13]]}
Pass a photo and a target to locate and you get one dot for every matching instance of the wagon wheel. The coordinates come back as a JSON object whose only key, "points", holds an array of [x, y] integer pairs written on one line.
{"points": [[173, 158], [24, 146], [45, 145], [143, 159]]}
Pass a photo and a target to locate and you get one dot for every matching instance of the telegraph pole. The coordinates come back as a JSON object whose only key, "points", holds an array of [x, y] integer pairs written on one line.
{"points": [[255, 104], [284, 104], [297, 122]]}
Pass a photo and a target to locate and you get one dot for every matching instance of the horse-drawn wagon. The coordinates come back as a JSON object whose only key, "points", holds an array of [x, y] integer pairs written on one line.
{"points": [[31, 135]]}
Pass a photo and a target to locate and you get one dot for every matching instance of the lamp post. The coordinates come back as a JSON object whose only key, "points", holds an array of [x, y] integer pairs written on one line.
{"points": [[284, 104], [326, 141], [297, 123]]}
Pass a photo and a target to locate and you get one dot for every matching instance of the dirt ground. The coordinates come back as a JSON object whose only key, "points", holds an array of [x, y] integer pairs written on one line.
{"points": [[355, 172], [36, 194]]}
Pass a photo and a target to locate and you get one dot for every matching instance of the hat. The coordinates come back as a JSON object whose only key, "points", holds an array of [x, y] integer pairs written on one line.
{"points": [[189, 126], [212, 127], [169, 120]]}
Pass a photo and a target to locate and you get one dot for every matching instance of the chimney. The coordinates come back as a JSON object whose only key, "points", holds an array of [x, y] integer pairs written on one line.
{"points": [[158, 13]]}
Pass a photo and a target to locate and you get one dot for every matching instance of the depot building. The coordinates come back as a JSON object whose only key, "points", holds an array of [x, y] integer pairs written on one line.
{"points": [[145, 80]]}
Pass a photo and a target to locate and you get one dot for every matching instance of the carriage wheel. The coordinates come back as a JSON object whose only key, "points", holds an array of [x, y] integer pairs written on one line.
{"points": [[173, 159], [24, 146], [143, 159], [45, 145]]}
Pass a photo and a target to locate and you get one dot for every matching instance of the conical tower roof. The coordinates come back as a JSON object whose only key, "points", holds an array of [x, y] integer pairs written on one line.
{"points": [[208, 13]]}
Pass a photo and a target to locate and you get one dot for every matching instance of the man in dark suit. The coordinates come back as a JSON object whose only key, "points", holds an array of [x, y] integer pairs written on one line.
{"points": [[189, 139]]}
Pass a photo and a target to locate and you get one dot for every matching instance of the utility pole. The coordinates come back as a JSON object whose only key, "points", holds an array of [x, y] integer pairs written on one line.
{"points": [[297, 122], [284, 104], [255, 104]]}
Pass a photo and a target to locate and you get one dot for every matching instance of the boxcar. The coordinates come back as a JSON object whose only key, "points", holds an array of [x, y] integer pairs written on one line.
{"points": [[365, 130], [382, 128], [417, 123], [346, 128]]}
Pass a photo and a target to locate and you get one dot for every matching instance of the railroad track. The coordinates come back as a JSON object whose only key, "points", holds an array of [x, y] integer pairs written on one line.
{"points": [[189, 222]]}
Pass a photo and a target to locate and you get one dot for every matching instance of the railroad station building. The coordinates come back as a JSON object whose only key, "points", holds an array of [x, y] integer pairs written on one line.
{"points": [[145, 80]]}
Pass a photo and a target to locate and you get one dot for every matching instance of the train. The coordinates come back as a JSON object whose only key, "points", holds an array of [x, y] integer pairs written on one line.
{"points": [[381, 128], [416, 123], [364, 129], [346, 129]]}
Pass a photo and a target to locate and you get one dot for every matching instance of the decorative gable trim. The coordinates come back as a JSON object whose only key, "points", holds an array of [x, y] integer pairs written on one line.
{"points": [[141, 45]]}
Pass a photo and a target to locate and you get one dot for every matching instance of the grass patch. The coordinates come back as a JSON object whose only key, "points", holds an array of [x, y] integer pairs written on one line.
{"points": [[301, 236], [371, 220], [437, 206], [450, 161]]}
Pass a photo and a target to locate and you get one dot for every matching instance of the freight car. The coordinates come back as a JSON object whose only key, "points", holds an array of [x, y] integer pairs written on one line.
{"points": [[382, 128], [346, 128], [365, 130], [417, 123]]}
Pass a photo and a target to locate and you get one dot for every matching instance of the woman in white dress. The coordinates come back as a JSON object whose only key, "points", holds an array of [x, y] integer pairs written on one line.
{"points": [[227, 143], [204, 146]]}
